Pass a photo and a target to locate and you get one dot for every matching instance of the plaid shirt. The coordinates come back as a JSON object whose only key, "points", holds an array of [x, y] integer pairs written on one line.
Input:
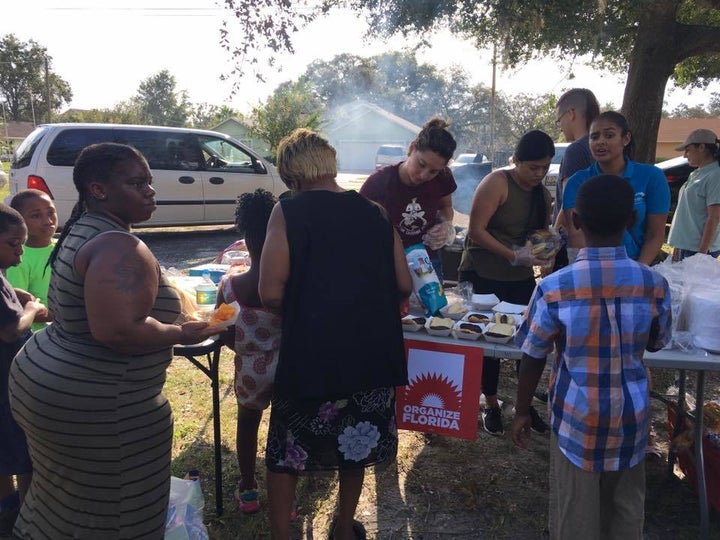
{"points": [[601, 312]]}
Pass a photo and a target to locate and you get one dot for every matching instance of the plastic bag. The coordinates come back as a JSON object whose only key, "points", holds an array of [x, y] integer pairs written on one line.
{"points": [[426, 284], [545, 243], [694, 322], [185, 511]]}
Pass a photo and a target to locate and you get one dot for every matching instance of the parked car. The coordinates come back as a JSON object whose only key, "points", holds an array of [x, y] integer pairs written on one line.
{"points": [[389, 154], [198, 175], [676, 171], [3, 176], [551, 178], [468, 158]]}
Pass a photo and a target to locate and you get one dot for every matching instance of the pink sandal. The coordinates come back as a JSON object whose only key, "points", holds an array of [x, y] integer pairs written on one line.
{"points": [[248, 501]]}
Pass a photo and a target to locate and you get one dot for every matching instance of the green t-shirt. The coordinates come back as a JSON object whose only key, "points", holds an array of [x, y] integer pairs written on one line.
{"points": [[701, 190], [32, 275]]}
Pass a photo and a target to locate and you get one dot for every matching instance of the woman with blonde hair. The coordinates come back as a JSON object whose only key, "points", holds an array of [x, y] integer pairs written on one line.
{"points": [[695, 223], [334, 268]]}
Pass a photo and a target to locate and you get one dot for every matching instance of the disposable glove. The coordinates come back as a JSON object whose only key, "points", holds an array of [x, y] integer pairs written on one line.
{"points": [[523, 256], [439, 235]]}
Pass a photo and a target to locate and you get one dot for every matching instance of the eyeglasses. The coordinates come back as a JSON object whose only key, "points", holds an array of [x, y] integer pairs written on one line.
{"points": [[557, 120]]}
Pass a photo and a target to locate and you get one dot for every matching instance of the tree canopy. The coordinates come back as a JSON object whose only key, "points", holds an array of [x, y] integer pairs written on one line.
{"points": [[25, 83], [291, 106], [651, 40], [160, 103]]}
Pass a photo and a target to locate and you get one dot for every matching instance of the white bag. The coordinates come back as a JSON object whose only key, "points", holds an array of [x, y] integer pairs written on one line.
{"points": [[185, 511]]}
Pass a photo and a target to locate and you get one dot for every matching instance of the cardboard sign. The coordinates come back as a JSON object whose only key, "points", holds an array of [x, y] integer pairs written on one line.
{"points": [[444, 390]]}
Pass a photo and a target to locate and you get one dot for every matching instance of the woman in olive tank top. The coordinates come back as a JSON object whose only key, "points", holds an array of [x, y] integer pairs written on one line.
{"points": [[508, 204]]}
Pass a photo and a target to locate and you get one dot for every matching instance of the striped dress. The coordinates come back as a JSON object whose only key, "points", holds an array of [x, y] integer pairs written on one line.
{"points": [[98, 426]]}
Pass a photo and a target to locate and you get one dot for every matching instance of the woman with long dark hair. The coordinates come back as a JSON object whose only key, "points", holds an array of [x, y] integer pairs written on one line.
{"points": [[612, 146], [508, 205]]}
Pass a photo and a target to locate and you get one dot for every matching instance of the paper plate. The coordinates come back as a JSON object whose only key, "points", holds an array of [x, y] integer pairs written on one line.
{"points": [[484, 301], [227, 322], [507, 307]]}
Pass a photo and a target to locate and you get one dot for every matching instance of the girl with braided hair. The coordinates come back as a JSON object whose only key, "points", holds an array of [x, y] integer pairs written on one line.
{"points": [[87, 390], [255, 338]]}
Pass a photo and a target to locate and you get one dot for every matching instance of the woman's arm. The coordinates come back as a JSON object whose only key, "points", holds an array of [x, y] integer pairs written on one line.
{"points": [[654, 237], [402, 273], [489, 196], [710, 228], [120, 286], [445, 208], [275, 262]]}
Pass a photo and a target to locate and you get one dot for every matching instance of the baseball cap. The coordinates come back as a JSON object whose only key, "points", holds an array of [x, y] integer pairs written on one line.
{"points": [[699, 136]]}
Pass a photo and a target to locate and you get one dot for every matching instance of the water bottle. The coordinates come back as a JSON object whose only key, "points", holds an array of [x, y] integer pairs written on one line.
{"points": [[206, 293]]}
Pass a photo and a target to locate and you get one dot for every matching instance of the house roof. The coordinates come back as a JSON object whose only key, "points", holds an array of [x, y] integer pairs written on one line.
{"points": [[674, 130], [17, 130], [343, 115], [245, 122]]}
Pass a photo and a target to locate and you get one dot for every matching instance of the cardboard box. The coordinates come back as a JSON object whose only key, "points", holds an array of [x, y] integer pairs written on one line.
{"points": [[686, 461]]}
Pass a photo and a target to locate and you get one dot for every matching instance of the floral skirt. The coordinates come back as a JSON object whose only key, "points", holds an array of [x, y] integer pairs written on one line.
{"points": [[346, 432]]}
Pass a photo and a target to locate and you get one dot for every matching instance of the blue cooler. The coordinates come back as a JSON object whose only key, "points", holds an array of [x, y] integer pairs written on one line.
{"points": [[216, 271]]}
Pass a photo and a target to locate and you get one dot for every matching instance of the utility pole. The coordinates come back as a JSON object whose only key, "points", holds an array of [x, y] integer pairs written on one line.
{"points": [[492, 107], [47, 90]]}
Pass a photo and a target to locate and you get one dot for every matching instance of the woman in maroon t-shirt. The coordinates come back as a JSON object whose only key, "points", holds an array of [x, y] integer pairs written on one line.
{"points": [[417, 192]]}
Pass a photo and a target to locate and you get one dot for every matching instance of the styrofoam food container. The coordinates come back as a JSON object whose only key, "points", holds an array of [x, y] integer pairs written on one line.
{"points": [[493, 339], [445, 311], [487, 314], [432, 332], [468, 335], [414, 327]]}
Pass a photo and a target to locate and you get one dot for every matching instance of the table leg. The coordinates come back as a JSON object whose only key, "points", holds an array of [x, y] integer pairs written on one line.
{"points": [[699, 457], [215, 383], [679, 419]]}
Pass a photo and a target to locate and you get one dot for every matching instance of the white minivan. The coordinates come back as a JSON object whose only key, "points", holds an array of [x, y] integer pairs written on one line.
{"points": [[198, 175]]}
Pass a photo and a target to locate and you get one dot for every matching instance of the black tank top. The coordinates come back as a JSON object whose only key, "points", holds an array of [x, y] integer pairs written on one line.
{"points": [[341, 316]]}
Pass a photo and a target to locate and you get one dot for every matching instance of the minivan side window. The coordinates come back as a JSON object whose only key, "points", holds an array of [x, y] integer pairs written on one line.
{"points": [[151, 144], [221, 154], [25, 151], [66, 147]]}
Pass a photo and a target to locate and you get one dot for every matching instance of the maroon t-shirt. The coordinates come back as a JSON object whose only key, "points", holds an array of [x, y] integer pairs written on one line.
{"points": [[412, 209]]}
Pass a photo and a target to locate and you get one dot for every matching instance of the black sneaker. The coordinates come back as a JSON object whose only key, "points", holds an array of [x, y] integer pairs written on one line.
{"points": [[492, 421], [537, 424]]}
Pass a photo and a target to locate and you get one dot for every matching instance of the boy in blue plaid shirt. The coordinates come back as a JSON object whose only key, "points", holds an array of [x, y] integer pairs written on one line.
{"points": [[601, 313]]}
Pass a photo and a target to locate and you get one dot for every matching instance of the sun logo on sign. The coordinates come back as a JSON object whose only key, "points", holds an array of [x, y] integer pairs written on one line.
{"points": [[432, 390]]}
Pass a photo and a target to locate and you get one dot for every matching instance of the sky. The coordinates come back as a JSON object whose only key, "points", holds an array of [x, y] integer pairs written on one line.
{"points": [[105, 49]]}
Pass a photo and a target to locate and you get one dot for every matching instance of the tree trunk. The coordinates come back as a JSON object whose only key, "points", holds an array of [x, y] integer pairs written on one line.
{"points": [[652, 62]]}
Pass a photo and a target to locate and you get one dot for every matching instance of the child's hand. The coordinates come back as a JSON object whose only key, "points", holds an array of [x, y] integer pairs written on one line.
{"points": [[38, 308], [24, 297], [521, 430]]}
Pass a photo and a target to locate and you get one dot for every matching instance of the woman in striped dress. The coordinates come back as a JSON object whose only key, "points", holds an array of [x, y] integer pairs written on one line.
{"points": [[87, 391]]}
